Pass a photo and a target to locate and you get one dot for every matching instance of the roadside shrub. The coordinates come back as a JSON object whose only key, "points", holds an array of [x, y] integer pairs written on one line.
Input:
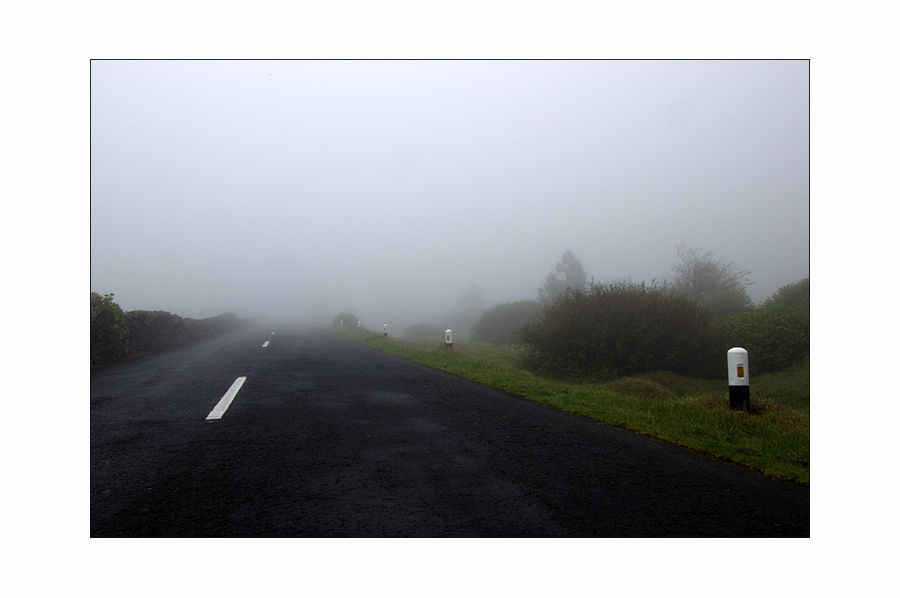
{"points": [[500, 324], [776, 337], [345, 319], [621, 329], [116, 334], [791, 295], [423, 332], [108, 329], [225, 322], [152, 331]]}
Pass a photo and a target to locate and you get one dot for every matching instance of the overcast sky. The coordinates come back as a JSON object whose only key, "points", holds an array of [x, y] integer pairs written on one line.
{"points": [[301, 188]]}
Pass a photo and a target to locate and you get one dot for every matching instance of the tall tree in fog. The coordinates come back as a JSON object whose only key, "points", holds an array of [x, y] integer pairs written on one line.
{"points": [[719, 286], [568, 274], [468, 309], [472, 301]]}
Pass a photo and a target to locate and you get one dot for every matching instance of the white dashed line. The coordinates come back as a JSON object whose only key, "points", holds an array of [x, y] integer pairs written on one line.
{"points": [[219, 410], [266, 344]]}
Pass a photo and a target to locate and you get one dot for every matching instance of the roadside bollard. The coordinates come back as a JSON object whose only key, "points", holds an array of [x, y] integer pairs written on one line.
{"points": [[448, 338], [738, 378], [384, 330]]}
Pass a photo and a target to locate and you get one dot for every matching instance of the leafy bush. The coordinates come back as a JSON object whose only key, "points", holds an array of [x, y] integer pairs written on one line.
{"points": [[108, 328], [621, 329], [225, 322], [152, 331], [116, 335], [500, 324], [345, 319], [791, 295], [776, 337]]}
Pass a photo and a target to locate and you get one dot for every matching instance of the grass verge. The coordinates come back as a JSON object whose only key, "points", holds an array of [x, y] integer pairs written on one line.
{"points": [[772, 439]]}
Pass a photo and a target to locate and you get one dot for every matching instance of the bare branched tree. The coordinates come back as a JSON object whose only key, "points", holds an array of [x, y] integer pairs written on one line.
{"points": [[710, 281]]}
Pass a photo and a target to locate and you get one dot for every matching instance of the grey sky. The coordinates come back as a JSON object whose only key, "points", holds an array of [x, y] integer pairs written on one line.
{"points": [[294, 187]]}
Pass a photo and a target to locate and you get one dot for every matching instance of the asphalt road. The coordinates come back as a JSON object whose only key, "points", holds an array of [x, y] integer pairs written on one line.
{"points": [[327, 438]]}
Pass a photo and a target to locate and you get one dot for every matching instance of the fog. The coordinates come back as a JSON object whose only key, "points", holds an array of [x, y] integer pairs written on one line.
{"points": [[299, 189]]}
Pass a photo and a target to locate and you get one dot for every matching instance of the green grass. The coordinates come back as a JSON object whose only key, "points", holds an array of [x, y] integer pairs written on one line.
{"points": [[772, 439]]}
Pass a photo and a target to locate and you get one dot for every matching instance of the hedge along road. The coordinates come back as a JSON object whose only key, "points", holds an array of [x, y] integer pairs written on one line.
{"points": [[325, 437]]}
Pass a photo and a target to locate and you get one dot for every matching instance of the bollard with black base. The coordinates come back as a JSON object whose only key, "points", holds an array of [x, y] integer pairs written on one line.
{"points": [[384, 330], [738, 379]]}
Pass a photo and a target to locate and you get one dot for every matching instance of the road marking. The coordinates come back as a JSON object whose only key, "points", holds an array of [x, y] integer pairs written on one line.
{"points": [[266, 344], [219, 410]]}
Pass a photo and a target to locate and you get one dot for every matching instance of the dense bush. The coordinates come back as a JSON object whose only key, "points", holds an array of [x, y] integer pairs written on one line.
{"points": [[423, 332], [108, 328], [500, 324], [791, 295], [345, 319], [776, 337], [116, 335], [225, 322], [622, 329], [152, 331]]}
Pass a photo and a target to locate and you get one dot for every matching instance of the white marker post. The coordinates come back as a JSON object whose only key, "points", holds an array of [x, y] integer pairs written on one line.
{"points": [[738, 378], [448, 338], [384, 330]]}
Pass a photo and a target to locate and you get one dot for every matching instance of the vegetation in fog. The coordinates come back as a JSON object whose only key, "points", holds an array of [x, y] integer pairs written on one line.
{"points": [[468, 309], [500, 324], [791, 295], [345, 319], [117, 334], [108, 328], [776, 337], [713, 283], [620, 329], [568, 274]]}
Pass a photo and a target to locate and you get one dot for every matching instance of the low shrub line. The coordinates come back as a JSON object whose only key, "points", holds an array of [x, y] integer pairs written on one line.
{"points": [[117, 335]]}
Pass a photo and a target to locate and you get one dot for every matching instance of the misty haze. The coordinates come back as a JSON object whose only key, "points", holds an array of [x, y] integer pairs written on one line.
{"points": [[399, 190]]}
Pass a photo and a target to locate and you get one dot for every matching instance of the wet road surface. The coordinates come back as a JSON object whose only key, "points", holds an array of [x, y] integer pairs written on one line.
{"points": [[327, 438]]}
